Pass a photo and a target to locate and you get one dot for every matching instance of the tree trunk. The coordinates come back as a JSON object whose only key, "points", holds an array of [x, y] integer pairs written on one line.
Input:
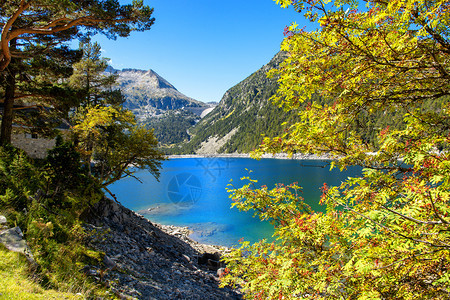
{"points": [[8, 113]]}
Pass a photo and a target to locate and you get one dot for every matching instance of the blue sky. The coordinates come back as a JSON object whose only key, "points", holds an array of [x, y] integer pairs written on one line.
{"points": [[204, 47]]}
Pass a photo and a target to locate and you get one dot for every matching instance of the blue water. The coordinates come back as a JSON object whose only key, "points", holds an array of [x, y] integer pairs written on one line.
{"points": [[192, 192]]}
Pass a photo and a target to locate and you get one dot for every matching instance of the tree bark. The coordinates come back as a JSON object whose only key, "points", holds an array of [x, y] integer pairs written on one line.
{"points": [[8, 112]]}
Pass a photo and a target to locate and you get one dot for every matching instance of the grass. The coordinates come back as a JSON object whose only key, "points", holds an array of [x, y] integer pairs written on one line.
{"points": [[16, 283]]}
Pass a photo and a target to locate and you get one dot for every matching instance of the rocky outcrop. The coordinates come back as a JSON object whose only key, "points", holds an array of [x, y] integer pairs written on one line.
{"points": [[214, 144], [12, 239], [149, 261]]}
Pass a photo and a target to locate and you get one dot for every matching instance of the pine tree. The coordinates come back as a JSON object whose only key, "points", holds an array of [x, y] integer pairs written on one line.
{"points": [[34, 27], [89, 76]]}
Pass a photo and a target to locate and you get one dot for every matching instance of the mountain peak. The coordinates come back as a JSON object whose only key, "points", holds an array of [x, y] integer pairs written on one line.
{"points": [[146, 93], [147, 77]]}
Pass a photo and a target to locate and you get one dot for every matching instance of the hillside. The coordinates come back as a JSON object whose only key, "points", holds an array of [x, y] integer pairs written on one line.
{"points": [[172, 126], [152, 261], [245, 114], [242, 116]]}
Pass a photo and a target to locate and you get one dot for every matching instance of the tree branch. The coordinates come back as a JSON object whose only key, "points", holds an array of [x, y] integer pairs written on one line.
{"points": [[435, 210], [5, 55], [412, 219]]}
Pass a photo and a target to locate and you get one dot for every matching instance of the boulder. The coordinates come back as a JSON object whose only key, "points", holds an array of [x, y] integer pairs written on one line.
{"points": [[13, 240]]}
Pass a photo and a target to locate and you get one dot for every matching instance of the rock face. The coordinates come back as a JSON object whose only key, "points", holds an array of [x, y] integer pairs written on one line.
{"points": [[148, 261], [147, 94]]}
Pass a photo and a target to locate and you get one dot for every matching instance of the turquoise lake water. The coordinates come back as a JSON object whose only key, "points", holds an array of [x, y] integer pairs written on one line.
{"points": [[192, 192]]}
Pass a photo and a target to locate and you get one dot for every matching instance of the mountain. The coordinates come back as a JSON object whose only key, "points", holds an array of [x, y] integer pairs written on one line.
{"points": [[241, 117], [148, 94], [245, 114]]}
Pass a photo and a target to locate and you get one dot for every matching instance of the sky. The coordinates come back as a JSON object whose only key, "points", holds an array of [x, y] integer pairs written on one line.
{"points": [[204, 47]]}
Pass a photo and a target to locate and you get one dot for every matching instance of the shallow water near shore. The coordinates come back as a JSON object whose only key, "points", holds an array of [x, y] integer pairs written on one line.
{"points": [[192, 192]]}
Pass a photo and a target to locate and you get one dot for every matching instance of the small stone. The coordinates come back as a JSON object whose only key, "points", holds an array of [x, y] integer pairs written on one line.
{"points": [[109, 263], [88, 271], [92, 272], [211, 277], [2, 220], [187, 257], [221, 272]]}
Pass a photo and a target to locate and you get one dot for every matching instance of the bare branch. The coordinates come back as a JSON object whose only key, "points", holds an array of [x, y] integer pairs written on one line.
{"points": [[435, 210], [409, 257], [393, 231], [412, 219]]}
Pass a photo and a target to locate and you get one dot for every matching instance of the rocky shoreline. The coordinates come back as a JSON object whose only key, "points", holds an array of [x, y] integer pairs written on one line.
{"points": [[298, 156], [151, 261]]}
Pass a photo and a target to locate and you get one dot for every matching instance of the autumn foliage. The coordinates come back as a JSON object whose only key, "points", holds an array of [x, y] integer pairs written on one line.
{"points": [[385, 234]]}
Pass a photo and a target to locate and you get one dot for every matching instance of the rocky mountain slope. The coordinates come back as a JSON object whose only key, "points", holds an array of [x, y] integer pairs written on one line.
{"points": [[242, 116], [148, 95], [150, 261]]}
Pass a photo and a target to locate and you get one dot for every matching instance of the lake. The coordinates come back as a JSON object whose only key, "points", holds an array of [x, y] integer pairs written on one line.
{"points": [[192, 192]]}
